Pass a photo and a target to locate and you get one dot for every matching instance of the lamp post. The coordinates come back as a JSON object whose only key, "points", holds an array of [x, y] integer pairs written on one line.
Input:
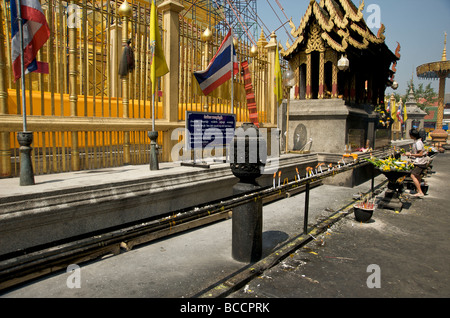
{"points": [[289, 82]]}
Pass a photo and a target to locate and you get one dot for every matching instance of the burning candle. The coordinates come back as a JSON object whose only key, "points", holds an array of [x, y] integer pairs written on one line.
{"points": [[279, 178]]}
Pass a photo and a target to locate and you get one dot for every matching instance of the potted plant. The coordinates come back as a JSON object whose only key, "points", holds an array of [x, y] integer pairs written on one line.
{"points": [[395, 170], [364, 210]]}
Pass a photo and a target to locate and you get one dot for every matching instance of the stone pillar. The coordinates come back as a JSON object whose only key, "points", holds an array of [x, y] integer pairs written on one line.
{"points": [[272, 102], [5, 150], [171, 36], [73, 93]]}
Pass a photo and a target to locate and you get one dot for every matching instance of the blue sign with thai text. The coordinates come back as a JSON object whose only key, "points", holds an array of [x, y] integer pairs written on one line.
{"points": [[209, 129]]}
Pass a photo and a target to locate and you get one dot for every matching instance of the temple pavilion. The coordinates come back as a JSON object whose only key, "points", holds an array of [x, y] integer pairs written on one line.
{"points": [[341, 72]]}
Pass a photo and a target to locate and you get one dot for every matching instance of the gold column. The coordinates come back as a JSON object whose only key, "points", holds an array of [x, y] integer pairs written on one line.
{"points": [[395, 125], [115, 38], [321, 75], [440, 115], [206, 37], [73, 95], [5, 150], [125, 11], [170, 84], [171, 81], [334, 89], [440, 136], [271, 54], [261, 91], [308, 76]]}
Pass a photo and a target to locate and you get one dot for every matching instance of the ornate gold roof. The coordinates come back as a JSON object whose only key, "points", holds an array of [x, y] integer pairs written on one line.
{"points": [[342, 25]]}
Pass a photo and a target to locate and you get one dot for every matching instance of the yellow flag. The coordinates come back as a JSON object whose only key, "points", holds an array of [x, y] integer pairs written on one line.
{"points": [[405, 113], [158, 64], [394, 111], [278, 79]]}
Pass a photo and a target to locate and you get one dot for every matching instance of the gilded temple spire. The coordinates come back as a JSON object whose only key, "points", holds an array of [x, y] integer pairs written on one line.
{"points": [[262, 39], [444, 53]]}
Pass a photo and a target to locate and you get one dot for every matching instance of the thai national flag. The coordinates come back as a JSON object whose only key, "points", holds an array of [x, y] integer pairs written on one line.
{"points": [[35, 33], [219, 69]]}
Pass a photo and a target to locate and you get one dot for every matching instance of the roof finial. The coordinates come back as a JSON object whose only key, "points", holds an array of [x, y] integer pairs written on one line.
{"points": [[262, 39], [444, 53]]}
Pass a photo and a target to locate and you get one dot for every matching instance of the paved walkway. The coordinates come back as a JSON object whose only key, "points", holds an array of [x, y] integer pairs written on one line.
{"points": [[404, 254], [410, 251]]}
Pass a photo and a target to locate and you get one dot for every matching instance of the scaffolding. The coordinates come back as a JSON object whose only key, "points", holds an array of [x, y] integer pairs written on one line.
{"points": [[240, 15]]}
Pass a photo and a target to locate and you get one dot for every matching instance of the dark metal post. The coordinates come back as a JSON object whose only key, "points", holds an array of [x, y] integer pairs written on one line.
{"points": [[373, 181], [26, 167], [247, 224], [247, 218], [153, 135], [305, 224]]}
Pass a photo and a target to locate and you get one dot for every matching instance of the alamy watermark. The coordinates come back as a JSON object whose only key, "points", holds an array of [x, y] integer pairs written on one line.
{"points": [[74, 279], [373, 20], [212, 140], [74, 16], [374, 279]]}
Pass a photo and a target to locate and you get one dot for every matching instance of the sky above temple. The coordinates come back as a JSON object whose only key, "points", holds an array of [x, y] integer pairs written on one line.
{"points": [[418, 26]]}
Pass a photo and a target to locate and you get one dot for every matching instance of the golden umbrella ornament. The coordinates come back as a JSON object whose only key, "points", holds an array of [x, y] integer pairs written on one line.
{"points": [[438, 70]]}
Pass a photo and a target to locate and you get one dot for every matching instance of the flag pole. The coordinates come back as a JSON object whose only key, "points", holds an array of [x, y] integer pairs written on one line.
{"points": [[24, 138], [153, 135], [22, 67], [153, 111], [232, 72]]}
